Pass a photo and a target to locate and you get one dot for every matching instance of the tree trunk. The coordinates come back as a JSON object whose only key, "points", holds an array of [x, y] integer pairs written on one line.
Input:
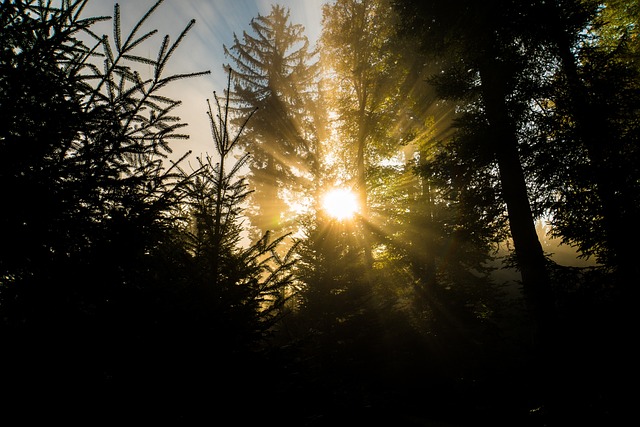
{"points": [[529, 253], [362, 187], [592, 131]]}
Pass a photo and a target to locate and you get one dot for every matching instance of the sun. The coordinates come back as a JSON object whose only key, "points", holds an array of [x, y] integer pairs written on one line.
{"points": [[340, 203]]}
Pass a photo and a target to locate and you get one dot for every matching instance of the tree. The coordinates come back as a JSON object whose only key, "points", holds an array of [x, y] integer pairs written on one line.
{"points": [[364, 81], [588, 117], [500, 61], [83, 141], [275, 72], [243, 290], [484, 68]]}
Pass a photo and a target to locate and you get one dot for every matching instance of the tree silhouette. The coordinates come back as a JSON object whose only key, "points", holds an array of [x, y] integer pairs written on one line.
{"points": [[592, 99], [243, 288], [358, 54], [83, 141], [485, 69], [276, 73], [133, 287], [498, 64]]}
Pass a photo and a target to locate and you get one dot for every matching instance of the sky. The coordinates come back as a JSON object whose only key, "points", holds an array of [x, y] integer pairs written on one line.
{"points": [[202, 49]]}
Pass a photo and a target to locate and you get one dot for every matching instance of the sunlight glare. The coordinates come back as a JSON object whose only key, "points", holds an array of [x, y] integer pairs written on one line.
{"points": [[340, 203]]}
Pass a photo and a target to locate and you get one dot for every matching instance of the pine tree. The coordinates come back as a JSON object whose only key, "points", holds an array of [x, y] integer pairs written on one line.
{"points": [[501, 61], [364, 79], [244, 288], [483, 69], [90, 244], [591, 99], [83, 135], [275, 72]]}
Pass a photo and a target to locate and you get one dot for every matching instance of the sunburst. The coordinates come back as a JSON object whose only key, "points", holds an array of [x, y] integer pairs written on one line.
{"points": [[340, 203]]}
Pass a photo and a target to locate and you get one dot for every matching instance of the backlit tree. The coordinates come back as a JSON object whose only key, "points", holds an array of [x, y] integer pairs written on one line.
{"points": [[275, 72]]}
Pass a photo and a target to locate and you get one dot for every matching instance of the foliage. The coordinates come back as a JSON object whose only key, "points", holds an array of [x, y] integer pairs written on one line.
{"points": [[512, 69], [276, 75], [82, 144], [102, 288], [364, 76], [587, 138], [245, 288], [92, 152], [138, 285]]}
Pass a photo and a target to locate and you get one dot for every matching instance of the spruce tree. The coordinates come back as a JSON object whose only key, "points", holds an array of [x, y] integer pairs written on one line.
{"points": [[276, 72], [244, 287], [90, 244], [364, 78], [588, 131], [483, 68]]}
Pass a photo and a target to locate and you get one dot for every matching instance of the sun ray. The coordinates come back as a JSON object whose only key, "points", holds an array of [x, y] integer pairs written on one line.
{"points": [[340, 203]]}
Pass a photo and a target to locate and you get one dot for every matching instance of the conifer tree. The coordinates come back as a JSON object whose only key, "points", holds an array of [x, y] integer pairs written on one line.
{"points": [[90, 243], [243, 287], [588, 130], [276, 73], [482, 68], [364, 78], [501, 61], [87, 134]]}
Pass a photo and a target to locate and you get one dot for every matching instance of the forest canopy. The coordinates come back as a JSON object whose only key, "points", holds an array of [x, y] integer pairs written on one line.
{"points": [[371, 235]]}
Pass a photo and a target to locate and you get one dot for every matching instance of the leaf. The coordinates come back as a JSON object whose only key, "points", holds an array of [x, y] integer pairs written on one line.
{"points": [[162, 98], [139, 59], [106, 47]]}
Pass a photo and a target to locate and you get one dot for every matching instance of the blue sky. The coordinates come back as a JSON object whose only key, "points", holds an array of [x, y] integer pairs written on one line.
{"points": [[202, 49]]}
